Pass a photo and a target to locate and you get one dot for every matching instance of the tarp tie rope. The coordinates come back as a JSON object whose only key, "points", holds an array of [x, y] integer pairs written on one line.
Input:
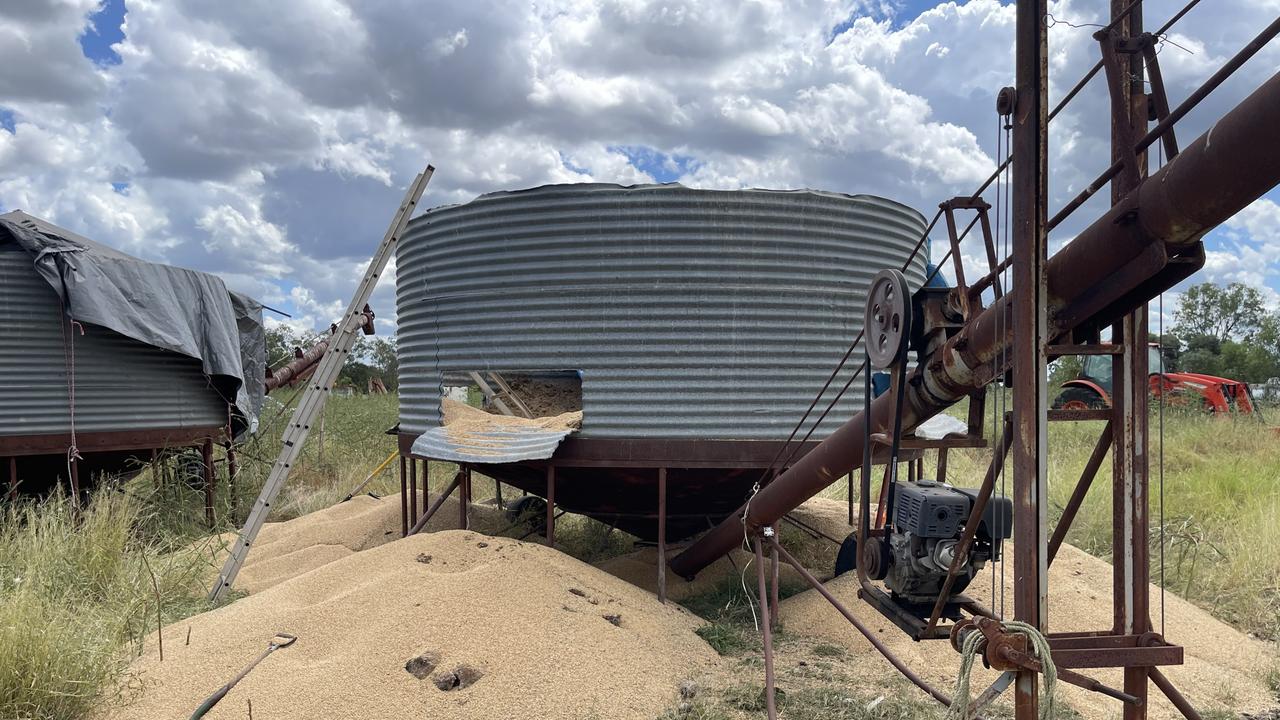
{"points": [[69, 359], [962, 700]]}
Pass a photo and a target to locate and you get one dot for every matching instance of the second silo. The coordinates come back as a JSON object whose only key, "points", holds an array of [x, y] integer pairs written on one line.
{"points": [[688, 313], [690, 316]]}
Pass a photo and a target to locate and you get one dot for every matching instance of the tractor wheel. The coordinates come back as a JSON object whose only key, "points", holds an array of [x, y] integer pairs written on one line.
{"points": [[530, 511], [1078, 398], [847, 558]]}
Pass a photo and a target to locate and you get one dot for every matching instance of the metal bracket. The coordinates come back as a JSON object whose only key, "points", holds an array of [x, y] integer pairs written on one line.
{"points": [[970, 297], [1113, 44], [1158, 100]]}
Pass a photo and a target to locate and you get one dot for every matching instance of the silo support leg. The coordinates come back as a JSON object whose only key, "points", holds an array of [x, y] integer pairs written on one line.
{"points": [[13, 478], [206, 454], [551, 506], [662, 535], [404, 500], [413, 491], [773, 586], [766, 632], [464, 498], [233, 471], [429, 513], [849, 494]]}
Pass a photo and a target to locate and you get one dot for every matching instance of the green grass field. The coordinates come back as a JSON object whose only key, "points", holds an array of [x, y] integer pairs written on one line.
{"points": [[75, 598]]}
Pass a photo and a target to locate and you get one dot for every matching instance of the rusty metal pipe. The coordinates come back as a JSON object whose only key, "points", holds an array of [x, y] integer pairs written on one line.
{"points": [[297, 366], [766, 631], [294, 370], [1178, 699], [1177, 114], [1230, 166]]}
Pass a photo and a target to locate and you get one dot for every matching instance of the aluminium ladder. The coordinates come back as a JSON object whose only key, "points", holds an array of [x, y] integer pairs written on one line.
{"points": [[318, 388]]}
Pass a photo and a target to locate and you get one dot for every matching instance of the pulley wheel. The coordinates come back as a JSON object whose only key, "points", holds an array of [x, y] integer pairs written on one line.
{"points": [[874, 556], [887, 322]]}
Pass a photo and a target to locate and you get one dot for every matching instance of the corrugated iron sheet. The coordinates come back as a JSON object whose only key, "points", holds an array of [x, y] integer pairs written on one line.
{"points": [[688, 313], [120, 384], [497, 447]]}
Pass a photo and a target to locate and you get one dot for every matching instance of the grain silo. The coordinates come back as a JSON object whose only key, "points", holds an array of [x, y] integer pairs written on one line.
{"points": [[699, 324], [108, 358]]}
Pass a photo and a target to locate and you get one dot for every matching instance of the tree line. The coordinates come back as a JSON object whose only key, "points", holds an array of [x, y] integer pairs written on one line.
{"points": [[1225, 331]]}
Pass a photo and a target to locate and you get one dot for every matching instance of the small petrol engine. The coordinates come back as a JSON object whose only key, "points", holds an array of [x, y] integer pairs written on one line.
{"points": [[928, 519]]}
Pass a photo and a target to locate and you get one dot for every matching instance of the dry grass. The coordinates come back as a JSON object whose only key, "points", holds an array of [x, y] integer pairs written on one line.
{"points": [[76, 598]]}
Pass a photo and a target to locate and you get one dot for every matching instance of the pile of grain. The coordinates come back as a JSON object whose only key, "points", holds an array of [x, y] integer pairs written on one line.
{"points": [[546, 395], [462, 418], [547, 636], [1224, 668], [287, 549], [826, 515]]}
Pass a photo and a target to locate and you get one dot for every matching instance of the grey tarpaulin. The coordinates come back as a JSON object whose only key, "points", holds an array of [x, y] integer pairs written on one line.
{"points": [[172, 308]]}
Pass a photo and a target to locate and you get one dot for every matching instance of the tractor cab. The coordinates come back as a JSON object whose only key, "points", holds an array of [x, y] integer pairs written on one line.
{"points": [[1097, 368]]}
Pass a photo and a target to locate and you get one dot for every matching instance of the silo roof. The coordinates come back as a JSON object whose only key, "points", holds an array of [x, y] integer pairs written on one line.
{"points": [[184, 311]]}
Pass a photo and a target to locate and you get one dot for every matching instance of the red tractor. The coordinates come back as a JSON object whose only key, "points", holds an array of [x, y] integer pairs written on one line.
{"points": [[1092, 388]]}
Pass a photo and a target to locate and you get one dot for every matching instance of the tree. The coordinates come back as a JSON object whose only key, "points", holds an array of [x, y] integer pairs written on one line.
{"points": [[1247, 361], [386, 360], [281, 340], [1064, 369], [1234, 312]]}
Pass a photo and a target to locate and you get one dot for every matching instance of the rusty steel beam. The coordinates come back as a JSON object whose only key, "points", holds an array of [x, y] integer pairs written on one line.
{"points": [[1179, 701], [1129, 108], [766, 631], [1112, 266], [1029, 195]]}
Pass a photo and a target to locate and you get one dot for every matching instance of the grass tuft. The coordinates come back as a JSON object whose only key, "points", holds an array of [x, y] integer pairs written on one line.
{"points": [[77, 598]]}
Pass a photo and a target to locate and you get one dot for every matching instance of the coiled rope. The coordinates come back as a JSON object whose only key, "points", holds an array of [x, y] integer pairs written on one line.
{"points": [[962, 700]]}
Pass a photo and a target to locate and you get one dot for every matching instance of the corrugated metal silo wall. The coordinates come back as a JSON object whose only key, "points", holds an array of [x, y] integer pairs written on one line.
{"points": [[690, 313], [120, 384]]}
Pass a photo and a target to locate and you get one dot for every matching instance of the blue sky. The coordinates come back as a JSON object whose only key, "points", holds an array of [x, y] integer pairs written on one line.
{"points": [[105, 28], [269, 143]]}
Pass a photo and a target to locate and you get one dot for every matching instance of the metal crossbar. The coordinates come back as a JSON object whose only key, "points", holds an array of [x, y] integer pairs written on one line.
{"points": [[318, 388]]}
